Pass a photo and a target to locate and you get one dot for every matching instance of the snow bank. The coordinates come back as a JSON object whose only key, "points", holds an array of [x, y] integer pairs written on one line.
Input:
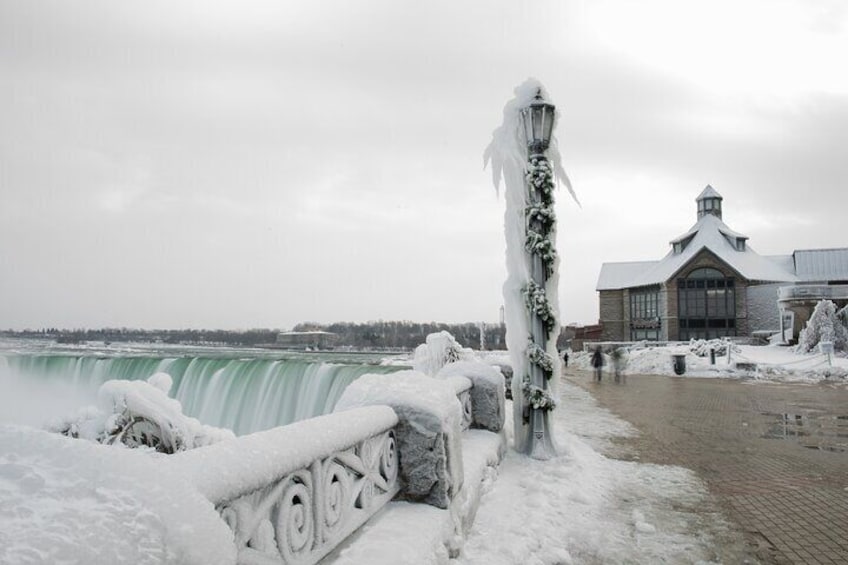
{"points": [[758, 363], [69, 501]]}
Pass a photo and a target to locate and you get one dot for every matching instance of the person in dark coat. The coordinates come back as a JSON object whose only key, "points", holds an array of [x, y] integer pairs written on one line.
{"points": [[598, 363]]}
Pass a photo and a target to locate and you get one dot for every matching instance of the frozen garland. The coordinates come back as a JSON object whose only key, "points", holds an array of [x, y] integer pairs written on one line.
{"points": [[541, 217], [537, 397], [540, 245], [540, 221], [540, 176], [537, 302], [544, 215], [539, 357]]}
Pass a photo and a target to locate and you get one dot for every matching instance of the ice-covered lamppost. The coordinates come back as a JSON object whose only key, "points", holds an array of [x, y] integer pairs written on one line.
{"points": [[538, 121], [524, 153]]}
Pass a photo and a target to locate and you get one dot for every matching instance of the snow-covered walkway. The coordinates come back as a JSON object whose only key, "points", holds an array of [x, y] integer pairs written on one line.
{"points": [[582, 507]]}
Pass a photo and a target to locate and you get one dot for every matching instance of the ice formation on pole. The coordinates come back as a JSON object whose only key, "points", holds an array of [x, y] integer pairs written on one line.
{"points": [[508, 155]]}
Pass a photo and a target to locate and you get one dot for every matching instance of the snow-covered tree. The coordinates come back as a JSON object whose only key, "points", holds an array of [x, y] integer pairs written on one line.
{"points": [[825, 324], [840, 342]]}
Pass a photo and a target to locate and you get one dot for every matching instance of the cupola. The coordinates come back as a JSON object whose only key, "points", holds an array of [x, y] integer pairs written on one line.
{"points": [[709, 202]]}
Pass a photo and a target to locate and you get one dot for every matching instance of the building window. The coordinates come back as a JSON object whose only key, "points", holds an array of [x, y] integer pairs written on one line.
{"points": [[709, 206], [706, 305], [645, 314]]}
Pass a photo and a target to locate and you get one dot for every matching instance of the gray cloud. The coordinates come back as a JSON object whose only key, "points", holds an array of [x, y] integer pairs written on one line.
{"points": [[258, 165]]}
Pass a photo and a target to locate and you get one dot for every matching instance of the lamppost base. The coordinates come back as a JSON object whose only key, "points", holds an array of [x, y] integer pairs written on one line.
{"points": [[543, 449]]}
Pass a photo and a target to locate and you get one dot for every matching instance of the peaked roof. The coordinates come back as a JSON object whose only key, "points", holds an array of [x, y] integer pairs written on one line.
{"points": [[708, 192], [709, 233]]}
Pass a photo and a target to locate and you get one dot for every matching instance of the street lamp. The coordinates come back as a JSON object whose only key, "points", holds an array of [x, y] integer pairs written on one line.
{"points": [[538, 121]]}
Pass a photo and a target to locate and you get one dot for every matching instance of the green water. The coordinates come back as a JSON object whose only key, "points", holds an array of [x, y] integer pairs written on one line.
{"points": [[243, 391]]}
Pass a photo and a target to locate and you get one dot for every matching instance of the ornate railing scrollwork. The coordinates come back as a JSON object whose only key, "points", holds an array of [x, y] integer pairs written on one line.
{"points": [[301, 517]]}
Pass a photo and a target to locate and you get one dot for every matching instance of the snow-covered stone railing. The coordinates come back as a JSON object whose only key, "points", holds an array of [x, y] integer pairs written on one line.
{"points": [[291, 494], [433, 412]]}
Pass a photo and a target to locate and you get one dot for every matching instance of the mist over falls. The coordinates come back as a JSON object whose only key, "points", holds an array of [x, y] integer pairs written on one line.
{"points": [[244, 395]]}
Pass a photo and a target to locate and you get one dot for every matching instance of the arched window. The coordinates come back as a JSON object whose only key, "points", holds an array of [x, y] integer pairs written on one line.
{"points": [[706, 304]]}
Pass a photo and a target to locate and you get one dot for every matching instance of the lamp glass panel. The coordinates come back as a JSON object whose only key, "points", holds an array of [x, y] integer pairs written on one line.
{"points": [[527, 120], [548, 123], [538, 117]]}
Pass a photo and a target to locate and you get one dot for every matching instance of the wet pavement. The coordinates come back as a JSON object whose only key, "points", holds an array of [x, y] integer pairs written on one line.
{"points": [[774, 455]]}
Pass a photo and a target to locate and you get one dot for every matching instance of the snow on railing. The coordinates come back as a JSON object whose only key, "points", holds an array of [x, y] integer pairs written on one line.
{"points": [[292, 494]]}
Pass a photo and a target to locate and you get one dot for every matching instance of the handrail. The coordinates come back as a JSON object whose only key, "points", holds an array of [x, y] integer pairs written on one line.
{"points": [[808, 292], [292, 494]]}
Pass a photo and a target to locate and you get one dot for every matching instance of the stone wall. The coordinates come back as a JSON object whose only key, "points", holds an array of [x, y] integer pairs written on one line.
{"points": [[763, 311], [612, 315], [668, 311]]}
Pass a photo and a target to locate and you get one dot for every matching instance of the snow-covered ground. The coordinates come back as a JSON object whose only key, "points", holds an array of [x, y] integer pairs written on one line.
{"points": [[770, 363], [584, 507], [80, 502]]}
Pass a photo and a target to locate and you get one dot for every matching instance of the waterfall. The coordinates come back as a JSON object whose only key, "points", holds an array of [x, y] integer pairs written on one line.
{"points": [[244, 395]]}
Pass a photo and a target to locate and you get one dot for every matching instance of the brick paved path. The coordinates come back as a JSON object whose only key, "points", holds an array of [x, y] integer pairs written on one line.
{"points": [[775, 455]]}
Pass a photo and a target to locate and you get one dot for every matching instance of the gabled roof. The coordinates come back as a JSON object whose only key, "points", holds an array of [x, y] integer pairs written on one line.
{"points": [[708, 233], [622, 275], [820, 265], [709, 192]]}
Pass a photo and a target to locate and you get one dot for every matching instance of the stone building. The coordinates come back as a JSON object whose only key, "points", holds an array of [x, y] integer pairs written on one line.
{"points": [[306, 340], [712, 284]]}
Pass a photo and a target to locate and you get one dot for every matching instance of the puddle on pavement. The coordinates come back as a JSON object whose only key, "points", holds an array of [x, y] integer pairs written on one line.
{"points": [[826, 432]]}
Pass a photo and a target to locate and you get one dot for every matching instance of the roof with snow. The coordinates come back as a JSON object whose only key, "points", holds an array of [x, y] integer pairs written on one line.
{"points": [[819, 265], [708, 192], [708, 233]]}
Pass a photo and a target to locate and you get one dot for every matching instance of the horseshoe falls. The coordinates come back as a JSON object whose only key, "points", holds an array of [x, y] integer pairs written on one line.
{"points": [[242, 394]]}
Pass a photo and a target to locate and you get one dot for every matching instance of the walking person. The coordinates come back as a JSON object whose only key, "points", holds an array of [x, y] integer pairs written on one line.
{"points": [[619, 360], [598, 363]]}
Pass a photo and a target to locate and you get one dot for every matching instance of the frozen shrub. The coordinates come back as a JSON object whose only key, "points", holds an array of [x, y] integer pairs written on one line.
{"points": [[825, 324], [701, 347]]}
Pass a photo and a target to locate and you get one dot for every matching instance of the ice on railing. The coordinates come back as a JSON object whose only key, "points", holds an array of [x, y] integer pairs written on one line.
{"points": [[232, 468], [487, 392], [428, 432]]}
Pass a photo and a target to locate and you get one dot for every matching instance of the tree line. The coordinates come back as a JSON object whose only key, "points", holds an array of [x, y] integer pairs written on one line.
{"points": [[365, 335]]}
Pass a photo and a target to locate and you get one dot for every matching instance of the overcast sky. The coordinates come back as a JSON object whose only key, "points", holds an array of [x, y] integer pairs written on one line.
{"points": [[257, 164]]}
